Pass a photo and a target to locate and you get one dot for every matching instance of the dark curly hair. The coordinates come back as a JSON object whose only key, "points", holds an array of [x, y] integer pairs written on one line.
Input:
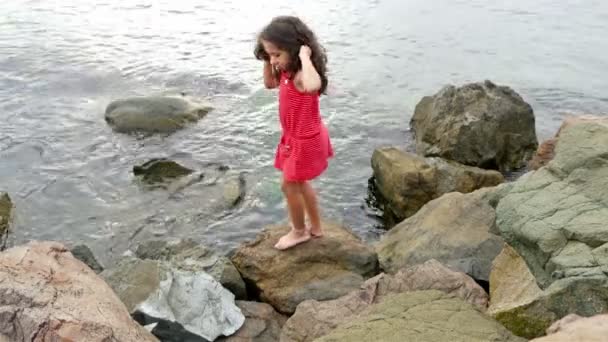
{"points": [[289, 33]]}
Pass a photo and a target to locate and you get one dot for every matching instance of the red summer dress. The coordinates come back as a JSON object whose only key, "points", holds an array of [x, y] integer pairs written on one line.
{"points": [[305, 146]]}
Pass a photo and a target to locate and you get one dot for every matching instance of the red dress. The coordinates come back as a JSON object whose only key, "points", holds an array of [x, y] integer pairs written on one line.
{"points": [[305, 146]]}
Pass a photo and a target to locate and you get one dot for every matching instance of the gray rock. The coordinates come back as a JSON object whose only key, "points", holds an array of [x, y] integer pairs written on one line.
{"points": [[314, 319], [406, 182], [160, 170], [421, 316], [190, 255], [84, 254], [455, 229], [191, 300], [153, 114], [478, 124]]}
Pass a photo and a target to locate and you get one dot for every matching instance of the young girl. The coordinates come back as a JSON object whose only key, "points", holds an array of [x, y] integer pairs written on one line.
{"points": [[296, 63]]}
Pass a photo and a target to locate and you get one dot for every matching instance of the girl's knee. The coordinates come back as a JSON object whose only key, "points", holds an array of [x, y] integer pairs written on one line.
{"points": [[291, 187]]}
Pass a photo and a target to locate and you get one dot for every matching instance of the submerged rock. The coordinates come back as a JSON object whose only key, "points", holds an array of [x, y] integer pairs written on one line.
{"points": [[153, 114]]}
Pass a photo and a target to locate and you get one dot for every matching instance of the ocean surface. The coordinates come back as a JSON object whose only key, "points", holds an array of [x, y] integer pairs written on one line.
{"points": [[62, 62]]}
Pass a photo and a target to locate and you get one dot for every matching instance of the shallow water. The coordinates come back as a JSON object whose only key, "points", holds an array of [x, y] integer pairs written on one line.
{"points": [[63, 62]]}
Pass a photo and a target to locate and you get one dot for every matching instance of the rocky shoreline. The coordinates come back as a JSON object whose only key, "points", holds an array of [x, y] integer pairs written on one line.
{"points": [[468, 256]]}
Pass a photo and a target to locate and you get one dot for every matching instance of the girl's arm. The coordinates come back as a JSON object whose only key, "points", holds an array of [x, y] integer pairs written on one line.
{"points": [[309, 79], [270, 78]]}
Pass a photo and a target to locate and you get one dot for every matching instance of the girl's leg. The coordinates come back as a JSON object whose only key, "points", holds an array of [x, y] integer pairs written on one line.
{"points": [[312, 209], [295, 206]]}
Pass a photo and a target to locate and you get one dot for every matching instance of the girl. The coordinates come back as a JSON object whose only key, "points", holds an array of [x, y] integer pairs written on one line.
{"points": [[295, 63]]}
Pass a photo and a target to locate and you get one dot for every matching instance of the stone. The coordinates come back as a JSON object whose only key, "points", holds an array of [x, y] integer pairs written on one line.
{"points": [[262, 324], [546, 150], [160, 114], [421, 316], [478, 124], [160, 170], [6, 209], [190, 255], [84, 254], [48, 295], [183, 302], [455, 229], [406, 182], [514, 293], [322, 269], [574, 328], [314, 319]]}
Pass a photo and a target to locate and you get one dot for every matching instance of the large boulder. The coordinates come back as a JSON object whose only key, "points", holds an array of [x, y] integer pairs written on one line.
{"points": [[182, 303], [262, 324], [455, 229], [48, 295], [478, 124], [321, 269], [187, 253], [406, 181], [153, 114], [555, 218], [574, 328], [314, 319], [6, 209], [421, 316]]}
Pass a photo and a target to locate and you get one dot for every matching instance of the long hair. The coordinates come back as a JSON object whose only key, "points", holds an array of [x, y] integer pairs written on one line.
{"points": [[289, 34]]}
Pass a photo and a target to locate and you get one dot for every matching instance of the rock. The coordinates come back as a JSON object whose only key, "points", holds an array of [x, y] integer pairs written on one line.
{"points": [[153, 114], [455, 229], [555, 218], [407, 182], [321, 269], [478, 124], [160, 170], [262, 324], [546, 150], [6, 209], [188, 254], [185, 303], [48, 295], [514, 295], [574, 328], [314, 319], [421, 316], [235, 190], [84, 254]]}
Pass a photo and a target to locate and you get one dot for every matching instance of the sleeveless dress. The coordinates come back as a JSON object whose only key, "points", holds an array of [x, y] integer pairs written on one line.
{"points": [[304, 149]]}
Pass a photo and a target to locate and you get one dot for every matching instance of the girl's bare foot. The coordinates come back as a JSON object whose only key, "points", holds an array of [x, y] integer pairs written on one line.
{"points": [[315, 232], [293, 238]]}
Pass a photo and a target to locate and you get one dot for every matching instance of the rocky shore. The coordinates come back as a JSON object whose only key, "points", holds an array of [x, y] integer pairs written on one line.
{"points": [[468, 256]]}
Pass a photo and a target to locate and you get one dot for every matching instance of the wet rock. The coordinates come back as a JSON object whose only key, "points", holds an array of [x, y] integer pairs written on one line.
{"points": [[84, 254], [153, 114]]}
